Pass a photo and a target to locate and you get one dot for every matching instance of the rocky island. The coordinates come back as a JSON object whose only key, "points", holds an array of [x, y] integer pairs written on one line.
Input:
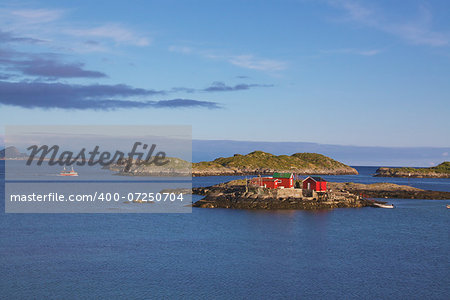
{"points": [[12, 153], [254, 163], [440, 171], [238, 194]]}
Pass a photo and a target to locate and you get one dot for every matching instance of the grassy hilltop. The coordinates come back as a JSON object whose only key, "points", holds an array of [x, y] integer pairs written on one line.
{"points": [[259, 162]]}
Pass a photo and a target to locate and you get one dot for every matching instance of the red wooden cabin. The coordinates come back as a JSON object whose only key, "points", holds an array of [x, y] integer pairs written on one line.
{"points": [[314, 183], [279, 180], [285, 180], [267, 182], [270, 183]]}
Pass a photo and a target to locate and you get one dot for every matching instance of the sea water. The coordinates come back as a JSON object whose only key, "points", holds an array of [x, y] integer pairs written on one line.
{"points": [[224, 253]]}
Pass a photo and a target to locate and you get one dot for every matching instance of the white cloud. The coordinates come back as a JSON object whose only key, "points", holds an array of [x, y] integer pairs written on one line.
{"points": [[419, 35], [38, 15], [115, 32], [368, 52], [355, 10], [417, 31], [246, 61], [49, 25], [181, 49], [251, 62]]}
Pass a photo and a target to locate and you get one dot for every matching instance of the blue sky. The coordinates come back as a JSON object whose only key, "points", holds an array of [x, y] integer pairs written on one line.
{"points": [[367, 73]]}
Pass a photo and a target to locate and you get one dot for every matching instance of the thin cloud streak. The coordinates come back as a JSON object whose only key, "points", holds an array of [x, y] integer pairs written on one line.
{"points": [[246, 61], [218, 86], [93, 97], [8, 37], [251, 62], [178, 103], [370, 52]]}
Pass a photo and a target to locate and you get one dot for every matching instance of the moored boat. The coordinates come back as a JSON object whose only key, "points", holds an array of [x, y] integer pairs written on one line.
{"points": [[68, 173], [383, 205]]}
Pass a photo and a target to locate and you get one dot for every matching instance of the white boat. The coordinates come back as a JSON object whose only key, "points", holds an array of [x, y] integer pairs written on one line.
{"points": [[383, 205], [68, 173]]}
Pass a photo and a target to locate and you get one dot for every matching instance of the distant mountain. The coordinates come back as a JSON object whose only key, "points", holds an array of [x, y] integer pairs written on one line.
{"points": [[259, 162], [351, 155], [12, 153]]}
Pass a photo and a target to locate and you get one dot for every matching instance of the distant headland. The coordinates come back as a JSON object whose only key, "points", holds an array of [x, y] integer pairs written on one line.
{"points": [[440, 171], [12, 153]]}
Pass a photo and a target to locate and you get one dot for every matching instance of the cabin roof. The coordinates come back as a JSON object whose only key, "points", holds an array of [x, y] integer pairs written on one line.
{"points": [[316, 178], [282, 175]]}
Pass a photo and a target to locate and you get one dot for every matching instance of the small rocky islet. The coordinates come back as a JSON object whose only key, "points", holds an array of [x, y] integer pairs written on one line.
{"points": [[239, 195]]}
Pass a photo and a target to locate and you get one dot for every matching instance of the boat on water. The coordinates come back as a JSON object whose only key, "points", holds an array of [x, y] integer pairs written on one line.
{"points": [[383, 205], [68, 173], [448, 205]]}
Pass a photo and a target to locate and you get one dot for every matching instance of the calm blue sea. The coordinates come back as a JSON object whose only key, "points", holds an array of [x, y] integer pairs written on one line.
{"points": [[219, 253]]}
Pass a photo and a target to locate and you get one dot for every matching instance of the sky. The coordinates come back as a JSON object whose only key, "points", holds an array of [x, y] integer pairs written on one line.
{"points": [[344, 72]]}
